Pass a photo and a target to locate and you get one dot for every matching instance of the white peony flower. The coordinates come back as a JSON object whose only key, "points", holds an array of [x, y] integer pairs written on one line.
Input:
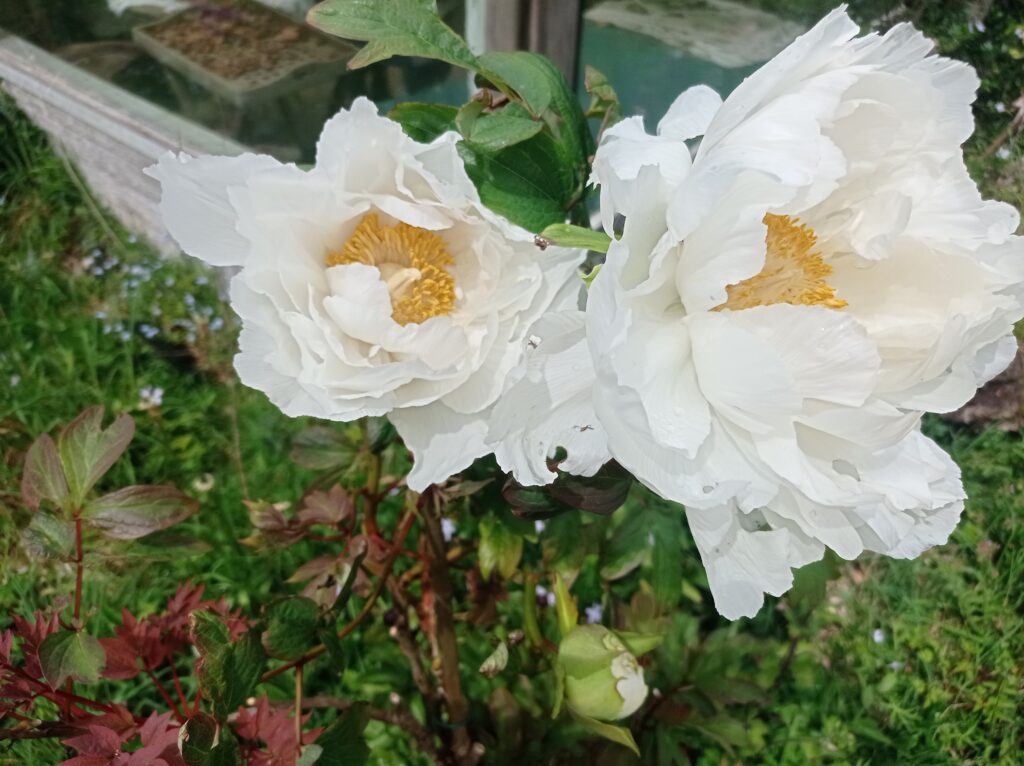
{"points": [[781, 308], [375, 283]]}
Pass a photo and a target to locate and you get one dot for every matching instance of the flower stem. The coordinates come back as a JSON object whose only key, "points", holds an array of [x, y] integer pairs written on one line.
{"points": [[443, 638], [396, 546], [298, 707]]}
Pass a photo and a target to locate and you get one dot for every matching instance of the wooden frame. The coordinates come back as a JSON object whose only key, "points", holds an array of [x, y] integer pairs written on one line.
{"points": [[109, 134]]}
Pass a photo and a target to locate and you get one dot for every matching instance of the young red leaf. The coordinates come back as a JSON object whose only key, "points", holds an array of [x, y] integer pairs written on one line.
{"points": [[87, 450], [71, 654], [134, 512], [122, 660], [43, 477]]}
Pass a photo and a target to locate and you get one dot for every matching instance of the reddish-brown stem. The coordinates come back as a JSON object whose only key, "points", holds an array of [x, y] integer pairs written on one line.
{"points": [[79, 559], [45, 689], [371, 496], [298, 707], [167, 697], [396, 546], [177, 687], [443, 640]]}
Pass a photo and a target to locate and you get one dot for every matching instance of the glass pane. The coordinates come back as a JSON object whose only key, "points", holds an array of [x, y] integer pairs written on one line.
{"points": [[250, 70]]}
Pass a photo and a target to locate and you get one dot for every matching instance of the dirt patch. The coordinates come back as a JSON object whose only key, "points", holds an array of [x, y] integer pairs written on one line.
{"points": [[233, 39]]}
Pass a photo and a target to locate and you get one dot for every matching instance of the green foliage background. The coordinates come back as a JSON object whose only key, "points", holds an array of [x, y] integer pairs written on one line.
{"points": [[875, 662]]}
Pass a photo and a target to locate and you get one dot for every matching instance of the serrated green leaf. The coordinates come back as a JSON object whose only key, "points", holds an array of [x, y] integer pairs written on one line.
{"points": [[229, 671], [343, 742], [71, 654], [546, 93], [529, 183], [134, 512], [390, 28], [424, 122], [291, 627], [203, 742], [618, 734], [498, 130], [500, 548], [246, 662], [43, 476], [87, 450]]}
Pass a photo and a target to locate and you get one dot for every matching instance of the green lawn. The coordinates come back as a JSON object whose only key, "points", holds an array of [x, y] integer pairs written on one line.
{"points": [[917, 662]]}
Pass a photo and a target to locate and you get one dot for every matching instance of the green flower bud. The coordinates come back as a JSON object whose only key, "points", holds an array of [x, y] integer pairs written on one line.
{"points": [[603, 680]]}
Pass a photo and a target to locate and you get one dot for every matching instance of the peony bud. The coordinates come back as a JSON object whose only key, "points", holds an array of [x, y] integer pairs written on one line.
{"points": [[603, 679]]}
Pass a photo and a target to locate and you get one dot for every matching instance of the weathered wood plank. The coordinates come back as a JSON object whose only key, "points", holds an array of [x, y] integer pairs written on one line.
{"points": [[109, 134]]}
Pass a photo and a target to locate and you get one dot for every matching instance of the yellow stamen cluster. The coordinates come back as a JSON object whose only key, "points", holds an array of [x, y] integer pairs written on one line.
{"points": [[411, 262], [793, 272]]}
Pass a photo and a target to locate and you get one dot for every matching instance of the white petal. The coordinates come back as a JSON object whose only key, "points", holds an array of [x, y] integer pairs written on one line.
{"points": [[443, 442], [195, 203], [743, 564], [550, 406], [690, 114]]}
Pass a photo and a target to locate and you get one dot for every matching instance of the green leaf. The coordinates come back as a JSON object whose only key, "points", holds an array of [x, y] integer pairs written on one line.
{"points": [[500, 548], [43, 475], [291, 627], [229, 671], [546, 93], [390, 28], [640, 643], [343, 742], [567, 235], [565, 605], [424, 122], [529, 183], [531, 502], [380, 433], [810, 583], [603, 493], [134, 512], [49, 537], [245, 666], [604, 101], [322, 448], [87, 451], [203, 742], [528, 74], [71, 654], [562, 544], [667, 557], [309, 755], [495, 662], [627, 547], [498, 130], [618, 734]]}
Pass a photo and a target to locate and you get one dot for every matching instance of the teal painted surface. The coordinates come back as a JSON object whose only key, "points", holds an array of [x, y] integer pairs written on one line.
{"points": [[646, 73]]}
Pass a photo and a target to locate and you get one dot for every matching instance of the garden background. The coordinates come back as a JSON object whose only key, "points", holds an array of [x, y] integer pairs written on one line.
{"points": [[871, 662]]}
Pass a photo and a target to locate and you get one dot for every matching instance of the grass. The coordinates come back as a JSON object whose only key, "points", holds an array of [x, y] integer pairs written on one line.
{"points": [[918, 662]]}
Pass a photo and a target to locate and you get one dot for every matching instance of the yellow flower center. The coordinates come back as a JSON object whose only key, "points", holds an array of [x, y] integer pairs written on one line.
{"points": [[793, 272], [411, 262]]}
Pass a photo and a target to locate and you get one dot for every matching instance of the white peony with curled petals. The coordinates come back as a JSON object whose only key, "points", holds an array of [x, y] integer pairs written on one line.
{"points": [[786, 299], [375, 283]]}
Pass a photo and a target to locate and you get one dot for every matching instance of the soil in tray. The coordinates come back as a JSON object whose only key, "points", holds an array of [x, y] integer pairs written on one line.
{"points": [[233, 39]]}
